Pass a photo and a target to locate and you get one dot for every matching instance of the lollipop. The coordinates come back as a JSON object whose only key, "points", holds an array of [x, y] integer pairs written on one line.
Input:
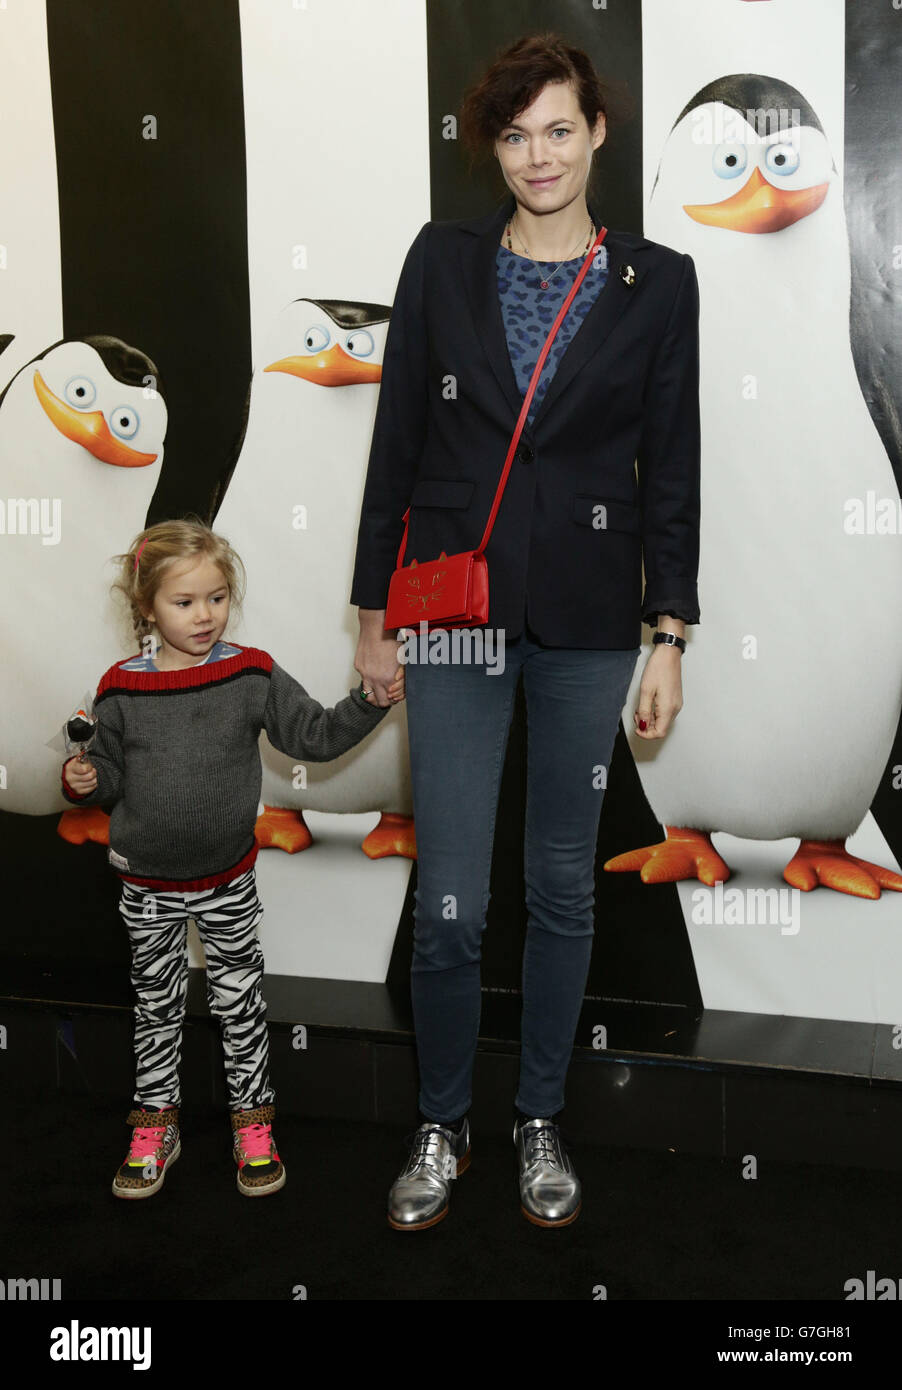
{"points": [[81, 730]]}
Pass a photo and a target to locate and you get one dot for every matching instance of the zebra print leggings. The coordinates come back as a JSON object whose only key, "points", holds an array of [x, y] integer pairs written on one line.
{"points": [[227, 918]]}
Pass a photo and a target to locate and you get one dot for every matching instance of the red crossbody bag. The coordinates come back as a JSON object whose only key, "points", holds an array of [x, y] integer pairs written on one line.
{"points": [[453, 591]]}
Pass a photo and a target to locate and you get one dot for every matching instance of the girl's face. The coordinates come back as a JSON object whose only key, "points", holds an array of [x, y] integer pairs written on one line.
{"points": [[545, 154], [190, 612]]}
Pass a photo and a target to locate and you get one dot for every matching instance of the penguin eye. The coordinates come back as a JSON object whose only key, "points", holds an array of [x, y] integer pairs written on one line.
{"points": [[124, 421], [782, 159], [729, 160], [316, 338], [80, 392], [360, 343]]}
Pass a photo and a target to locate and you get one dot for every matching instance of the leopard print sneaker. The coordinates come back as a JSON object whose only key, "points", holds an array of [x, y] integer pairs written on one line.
{"points": [[260, 1170], [155, 1146]]}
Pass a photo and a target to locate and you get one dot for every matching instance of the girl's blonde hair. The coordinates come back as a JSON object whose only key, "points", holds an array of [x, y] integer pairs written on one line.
{"points": [[156, 549]]}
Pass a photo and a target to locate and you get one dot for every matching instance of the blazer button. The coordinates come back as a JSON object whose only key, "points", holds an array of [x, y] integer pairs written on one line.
{"points": [[525, 453]]}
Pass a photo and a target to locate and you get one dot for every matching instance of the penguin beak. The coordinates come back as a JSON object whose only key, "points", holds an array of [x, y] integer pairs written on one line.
{"points": [[89, 429], [330, 368], [759, 207]]}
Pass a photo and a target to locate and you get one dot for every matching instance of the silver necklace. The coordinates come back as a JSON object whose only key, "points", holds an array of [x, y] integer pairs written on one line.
{"points": [[548, 278]]}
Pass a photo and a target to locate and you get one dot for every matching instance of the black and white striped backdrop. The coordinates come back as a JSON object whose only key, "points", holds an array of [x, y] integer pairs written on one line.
{"points": [[200, 182]]}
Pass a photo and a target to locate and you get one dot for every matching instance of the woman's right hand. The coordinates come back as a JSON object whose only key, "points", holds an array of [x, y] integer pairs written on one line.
{"points": [[81, 776], [376, 659]]}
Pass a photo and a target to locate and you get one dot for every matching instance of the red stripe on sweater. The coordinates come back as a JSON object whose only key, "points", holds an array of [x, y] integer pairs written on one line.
{"points": [[196, 885], [191, 678]]}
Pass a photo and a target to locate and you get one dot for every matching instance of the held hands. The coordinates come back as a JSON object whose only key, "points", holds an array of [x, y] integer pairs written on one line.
{"points": [[377, 660], [660, 693], [80, 775]]}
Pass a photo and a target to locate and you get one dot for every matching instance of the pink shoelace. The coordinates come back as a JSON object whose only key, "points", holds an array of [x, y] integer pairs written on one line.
{"points": [[256, 1143], [145, 1143]]}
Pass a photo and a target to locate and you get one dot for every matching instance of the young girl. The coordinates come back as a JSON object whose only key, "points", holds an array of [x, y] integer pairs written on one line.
{"points": [[176, 751]]}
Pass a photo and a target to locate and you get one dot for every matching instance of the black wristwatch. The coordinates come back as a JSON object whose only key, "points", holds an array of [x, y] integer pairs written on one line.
{"points": [[671, 640]]}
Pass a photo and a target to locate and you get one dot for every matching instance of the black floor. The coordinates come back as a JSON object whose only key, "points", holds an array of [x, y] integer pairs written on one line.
{"points": [[653, 1227]]}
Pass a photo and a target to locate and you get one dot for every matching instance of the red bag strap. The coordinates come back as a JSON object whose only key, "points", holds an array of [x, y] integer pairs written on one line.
{"points": [[524, 409]]}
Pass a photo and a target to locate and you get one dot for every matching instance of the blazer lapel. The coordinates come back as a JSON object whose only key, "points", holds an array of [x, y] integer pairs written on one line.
{"points": [[480, 278], [477, 256]]}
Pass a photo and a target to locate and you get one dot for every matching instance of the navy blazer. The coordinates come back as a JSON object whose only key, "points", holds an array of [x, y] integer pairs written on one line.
{"points": [[605, 475]]}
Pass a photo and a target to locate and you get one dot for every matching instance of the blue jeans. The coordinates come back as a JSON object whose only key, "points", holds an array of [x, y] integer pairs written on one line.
{"points": [[458, 718]]}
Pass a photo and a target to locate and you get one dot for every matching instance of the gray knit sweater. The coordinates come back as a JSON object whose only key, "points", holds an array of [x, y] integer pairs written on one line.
{"points": [[178, 754]]}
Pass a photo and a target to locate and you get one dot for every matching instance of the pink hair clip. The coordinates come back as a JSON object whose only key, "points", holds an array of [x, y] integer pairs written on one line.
{"points": [[140, 548]]}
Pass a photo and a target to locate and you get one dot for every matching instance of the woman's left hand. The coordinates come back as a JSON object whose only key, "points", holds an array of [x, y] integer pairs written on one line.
{"points": [[660, 693]]}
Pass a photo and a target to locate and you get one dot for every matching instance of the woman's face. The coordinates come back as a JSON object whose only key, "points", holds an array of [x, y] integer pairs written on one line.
{"points": [[546, 152]]}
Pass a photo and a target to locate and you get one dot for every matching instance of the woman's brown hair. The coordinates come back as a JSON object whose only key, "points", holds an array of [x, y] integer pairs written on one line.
{"points": [[514, 80]]}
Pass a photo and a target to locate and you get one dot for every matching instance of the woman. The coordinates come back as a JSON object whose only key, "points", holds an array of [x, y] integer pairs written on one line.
{"points": [[606, 474]]}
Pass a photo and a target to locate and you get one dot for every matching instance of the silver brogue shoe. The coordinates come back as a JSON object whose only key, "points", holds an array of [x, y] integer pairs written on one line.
{"points": [[550, 1192], [421, 1193]]}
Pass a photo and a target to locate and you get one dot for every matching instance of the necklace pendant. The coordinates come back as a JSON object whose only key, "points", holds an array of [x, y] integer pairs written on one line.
{"points": [[544, 284]]}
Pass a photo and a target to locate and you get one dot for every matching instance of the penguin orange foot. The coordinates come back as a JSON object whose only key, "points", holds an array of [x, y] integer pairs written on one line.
{"points": [[685, 853], [393, 835], [83, 823], [281, 828], [829, 863]]}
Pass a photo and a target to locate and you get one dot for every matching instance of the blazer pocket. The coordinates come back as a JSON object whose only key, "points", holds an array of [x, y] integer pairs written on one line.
{"points": [[606, 514], [442, 492]]}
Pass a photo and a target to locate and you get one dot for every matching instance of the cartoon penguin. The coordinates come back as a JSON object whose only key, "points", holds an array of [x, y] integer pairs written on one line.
{"points": [[81, 444], [291, 509], [788, 722]]}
